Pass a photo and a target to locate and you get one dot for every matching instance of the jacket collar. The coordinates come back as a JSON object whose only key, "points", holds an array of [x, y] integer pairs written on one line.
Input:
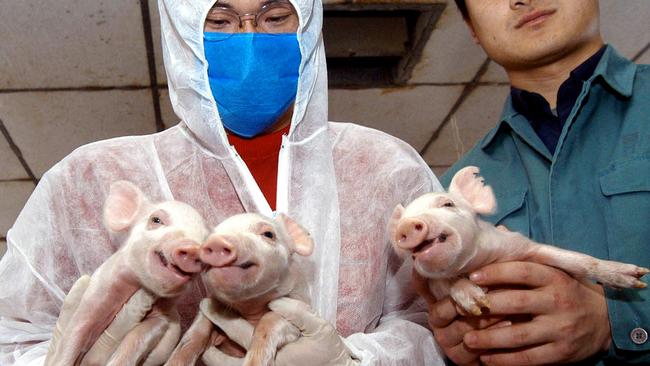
{"points": [[615, 70]]}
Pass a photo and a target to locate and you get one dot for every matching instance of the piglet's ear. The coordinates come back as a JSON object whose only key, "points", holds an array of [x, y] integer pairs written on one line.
{"points": [[469, 185], [398, 212], [302, 242], [122, 205]]}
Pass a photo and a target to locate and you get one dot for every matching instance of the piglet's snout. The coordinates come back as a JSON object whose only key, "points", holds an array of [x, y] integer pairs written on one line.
{"points": [[410, 233], [186, 257], [218, 251]]}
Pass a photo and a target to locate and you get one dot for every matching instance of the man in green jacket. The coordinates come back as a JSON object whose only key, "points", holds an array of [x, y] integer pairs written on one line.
{"points": [[569, 162]]}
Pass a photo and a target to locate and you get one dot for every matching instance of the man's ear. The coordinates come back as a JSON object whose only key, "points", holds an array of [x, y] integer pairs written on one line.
{"points": [[122, 205], [469, 185], [301, 241]]}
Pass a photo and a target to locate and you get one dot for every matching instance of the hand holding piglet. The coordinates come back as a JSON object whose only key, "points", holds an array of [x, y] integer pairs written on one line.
{"points": [[157, 260], [447, 241], [252, 271]]}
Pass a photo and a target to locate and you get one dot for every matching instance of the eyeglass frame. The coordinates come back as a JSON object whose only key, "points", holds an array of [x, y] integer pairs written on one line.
{"points": [[252, 16]]}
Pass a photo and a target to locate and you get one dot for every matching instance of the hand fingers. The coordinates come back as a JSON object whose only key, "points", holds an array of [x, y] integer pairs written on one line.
{"points": [[233, 325], [520, 302], [299, 314], [515, 336], [463, 355], [132, 313], [126, 319], [442, 313], [514, 273], [452, 334], [70, 305], [72, 301], [545, 354]]}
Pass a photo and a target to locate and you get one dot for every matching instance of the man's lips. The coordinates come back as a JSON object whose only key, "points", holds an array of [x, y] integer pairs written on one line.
{"points": [[534, 16]]}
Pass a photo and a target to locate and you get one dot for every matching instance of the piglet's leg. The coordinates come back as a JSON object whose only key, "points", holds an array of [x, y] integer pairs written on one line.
{"points": [[468, 296], [271, 333], [195, 340], [609, 273], [139, 342]]}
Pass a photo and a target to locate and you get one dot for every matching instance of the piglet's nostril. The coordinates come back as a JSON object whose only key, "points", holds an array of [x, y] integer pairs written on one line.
{"points": [[418, 227], [208, 250], [182, 253]]}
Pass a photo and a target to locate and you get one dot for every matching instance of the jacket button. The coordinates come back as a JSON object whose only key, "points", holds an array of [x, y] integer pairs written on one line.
{"points": [[639, 335]]}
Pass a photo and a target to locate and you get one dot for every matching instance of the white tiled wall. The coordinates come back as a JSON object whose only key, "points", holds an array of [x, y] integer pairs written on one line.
{"points": [[49, 125], [14, 195], [71, 43], [412, 113], [10, 167], [477, 115], [450, 55]]}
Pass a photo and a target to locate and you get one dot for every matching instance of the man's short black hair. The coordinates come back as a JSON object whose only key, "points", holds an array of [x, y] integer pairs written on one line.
{"points": [[463, 8]]}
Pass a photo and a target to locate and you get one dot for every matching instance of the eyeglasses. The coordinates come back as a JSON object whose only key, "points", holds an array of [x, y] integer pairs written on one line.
{"points": [[273, 17]]}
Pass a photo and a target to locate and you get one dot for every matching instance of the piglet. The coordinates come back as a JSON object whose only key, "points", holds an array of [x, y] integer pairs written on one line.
{"points": [[250, 263], [160, 255], [447, 241]]}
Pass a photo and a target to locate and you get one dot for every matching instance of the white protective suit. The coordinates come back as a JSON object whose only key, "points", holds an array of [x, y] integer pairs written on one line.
{"points": [[341, 181]]}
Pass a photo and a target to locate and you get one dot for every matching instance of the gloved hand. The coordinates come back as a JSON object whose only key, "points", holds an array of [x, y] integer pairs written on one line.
{"points": [[126, 319], [319, 343], [70, 304]]}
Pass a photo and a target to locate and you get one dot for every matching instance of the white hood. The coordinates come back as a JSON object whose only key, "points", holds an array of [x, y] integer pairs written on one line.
{"points": [[306, 181]]}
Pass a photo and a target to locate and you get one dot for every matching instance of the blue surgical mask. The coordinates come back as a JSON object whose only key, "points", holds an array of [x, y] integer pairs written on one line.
{"points": [[253, 77]]}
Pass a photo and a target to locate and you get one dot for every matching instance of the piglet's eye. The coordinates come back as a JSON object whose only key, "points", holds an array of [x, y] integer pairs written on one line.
{"points": [[448, 204], [268, 234], [156, 220]]}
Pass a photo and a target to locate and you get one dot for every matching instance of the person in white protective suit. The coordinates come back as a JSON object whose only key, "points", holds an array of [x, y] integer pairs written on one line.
{"points": [[339, 180]]}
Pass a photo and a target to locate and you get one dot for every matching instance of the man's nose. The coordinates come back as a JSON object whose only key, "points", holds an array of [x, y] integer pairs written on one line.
{"points": [[515, 4]]}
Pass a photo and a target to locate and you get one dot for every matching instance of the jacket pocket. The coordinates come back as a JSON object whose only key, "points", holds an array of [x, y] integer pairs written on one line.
{"points": [[512, 212], [626, 187]]}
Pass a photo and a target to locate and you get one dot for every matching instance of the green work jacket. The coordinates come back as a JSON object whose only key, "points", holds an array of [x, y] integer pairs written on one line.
{"points": [[592, 195]]}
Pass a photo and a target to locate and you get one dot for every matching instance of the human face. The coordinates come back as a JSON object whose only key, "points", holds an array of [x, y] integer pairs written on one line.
{"points": [[249, 16], [524, 34]]}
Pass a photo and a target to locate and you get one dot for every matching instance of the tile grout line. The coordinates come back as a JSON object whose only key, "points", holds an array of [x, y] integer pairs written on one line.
{"points": [[469, 88], [18, 153], [643, 50], [151, 61]]}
